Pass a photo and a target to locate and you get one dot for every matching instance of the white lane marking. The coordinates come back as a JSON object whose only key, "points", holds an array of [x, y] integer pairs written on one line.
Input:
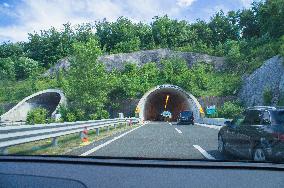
{"points": [[170, 123], [209, 126], [204, 153], [179, 131], [108, 142]]}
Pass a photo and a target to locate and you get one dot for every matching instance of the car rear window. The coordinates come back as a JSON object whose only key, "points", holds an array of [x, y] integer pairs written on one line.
{"points": [[186, 113]]}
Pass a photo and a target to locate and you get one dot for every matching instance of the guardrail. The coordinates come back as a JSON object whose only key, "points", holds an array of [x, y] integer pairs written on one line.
{"points": [[14, 135], [7, 123]]}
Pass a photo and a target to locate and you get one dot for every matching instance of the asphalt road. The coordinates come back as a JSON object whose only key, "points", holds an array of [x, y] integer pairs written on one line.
{"points": [[158, 140]]}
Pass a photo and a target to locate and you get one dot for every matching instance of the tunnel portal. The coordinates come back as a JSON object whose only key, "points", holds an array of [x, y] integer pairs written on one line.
{"points": [[49, 99], [153, 103]]}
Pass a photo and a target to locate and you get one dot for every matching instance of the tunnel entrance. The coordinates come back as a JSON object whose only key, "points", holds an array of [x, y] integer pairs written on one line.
{"points": [[49, 99], [155, 102]]}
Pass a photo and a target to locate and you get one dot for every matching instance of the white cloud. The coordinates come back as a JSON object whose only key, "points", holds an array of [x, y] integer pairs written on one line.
{"points": [[246, 3], [6, 5], [213, 10], [184, 3], [36, 15]]}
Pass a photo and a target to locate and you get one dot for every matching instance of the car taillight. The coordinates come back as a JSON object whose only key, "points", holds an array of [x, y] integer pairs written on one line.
{"points": [[279, 136]]}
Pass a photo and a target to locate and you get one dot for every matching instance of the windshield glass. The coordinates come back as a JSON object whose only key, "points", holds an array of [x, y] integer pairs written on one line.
{"points": [[279, 117], [177, 79]]}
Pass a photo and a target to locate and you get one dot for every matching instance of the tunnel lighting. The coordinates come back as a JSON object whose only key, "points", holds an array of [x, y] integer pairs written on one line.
{"points": [[167, 99]]}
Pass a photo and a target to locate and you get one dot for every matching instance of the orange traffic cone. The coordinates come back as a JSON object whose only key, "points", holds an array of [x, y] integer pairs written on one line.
{"points": [[130, 122], [84, 136]]}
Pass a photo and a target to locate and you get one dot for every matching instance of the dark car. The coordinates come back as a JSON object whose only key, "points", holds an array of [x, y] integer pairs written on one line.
{"points": [[185, 117], [258, 134]]}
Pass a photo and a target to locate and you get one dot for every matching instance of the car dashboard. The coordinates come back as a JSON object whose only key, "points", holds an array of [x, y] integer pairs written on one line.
{"points": [[46, 171]]}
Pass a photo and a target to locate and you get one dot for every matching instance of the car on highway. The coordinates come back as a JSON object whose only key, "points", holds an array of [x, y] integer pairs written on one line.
{"points": [[257, 134], [185, 117], [166, 116]]}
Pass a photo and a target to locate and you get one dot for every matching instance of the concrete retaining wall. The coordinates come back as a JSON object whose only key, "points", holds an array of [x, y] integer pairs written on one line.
{"points": [[213, 121]]}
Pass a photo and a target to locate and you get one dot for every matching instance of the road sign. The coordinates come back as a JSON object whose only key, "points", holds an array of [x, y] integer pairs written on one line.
{"points": [[211, 110]]}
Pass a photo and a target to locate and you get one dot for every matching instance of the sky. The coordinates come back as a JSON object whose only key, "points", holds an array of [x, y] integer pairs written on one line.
{"points": [[20, 17]]}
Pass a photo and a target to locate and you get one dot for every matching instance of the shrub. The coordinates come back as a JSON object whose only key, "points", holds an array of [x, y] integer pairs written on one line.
{"points": [[37, 116], [267, 96], [2, 110], [70, 117], [102, 114], [281, 99], [230, 110]]}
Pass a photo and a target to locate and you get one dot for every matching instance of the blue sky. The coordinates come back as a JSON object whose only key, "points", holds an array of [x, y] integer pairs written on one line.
{"points": [[19, 17]]}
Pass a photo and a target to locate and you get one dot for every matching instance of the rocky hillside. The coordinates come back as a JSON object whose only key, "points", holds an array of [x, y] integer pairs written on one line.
{"points": [[270, 77], [117, 61]]}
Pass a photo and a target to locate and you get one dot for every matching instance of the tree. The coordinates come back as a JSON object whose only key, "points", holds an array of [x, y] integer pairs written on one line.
{"points": [[149, 77], [130, 80], [223, 28], [25, 67], [49, 46], [271, 16], [119, 36], [169, 33], [249, 23], [7, 69], [174, 71], [88, 76], [11, 49], [203, 31], [144, 33]]}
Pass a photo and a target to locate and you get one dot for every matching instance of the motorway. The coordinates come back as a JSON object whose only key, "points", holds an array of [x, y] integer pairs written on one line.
{"points": [[158, 140]]}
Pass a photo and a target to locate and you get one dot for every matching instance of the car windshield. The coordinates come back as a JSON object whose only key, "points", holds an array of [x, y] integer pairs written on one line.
{"points": [[279, 117], [176, 79]]}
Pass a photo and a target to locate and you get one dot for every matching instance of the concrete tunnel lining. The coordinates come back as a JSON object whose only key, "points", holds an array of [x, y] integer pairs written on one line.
{"points": [[49, 99], [152, 103]]}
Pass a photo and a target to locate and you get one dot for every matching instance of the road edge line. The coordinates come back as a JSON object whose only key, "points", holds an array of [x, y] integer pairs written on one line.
{"points": [[204, 153], [209, 126], [108, 142], [179, 131]]}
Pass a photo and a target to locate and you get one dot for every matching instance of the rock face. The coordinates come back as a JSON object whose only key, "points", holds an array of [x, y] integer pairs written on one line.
{"points": [[271, 76], [117, 61], [141, 57], [62, 64]]}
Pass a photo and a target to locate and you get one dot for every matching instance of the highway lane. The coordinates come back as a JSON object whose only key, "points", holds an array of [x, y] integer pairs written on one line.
{"points": [[158, 140]]}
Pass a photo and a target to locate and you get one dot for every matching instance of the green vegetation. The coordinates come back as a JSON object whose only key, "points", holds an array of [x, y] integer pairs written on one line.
{"points": [[37, 116], [267, 96], [245, 37], [281, 100], [230, 110]]}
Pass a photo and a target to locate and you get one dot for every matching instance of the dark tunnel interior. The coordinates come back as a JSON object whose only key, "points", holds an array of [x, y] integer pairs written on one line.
{"points": [[49, 101], [155, 104]]}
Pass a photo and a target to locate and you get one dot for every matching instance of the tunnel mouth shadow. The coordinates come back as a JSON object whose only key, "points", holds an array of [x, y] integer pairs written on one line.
{"points": [[155, 102]]}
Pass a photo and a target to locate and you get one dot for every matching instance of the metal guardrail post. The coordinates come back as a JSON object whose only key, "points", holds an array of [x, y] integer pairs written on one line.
{"points": [[4, 151], [97, 131], [54, 142], [115, 126], [108, 127]]}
